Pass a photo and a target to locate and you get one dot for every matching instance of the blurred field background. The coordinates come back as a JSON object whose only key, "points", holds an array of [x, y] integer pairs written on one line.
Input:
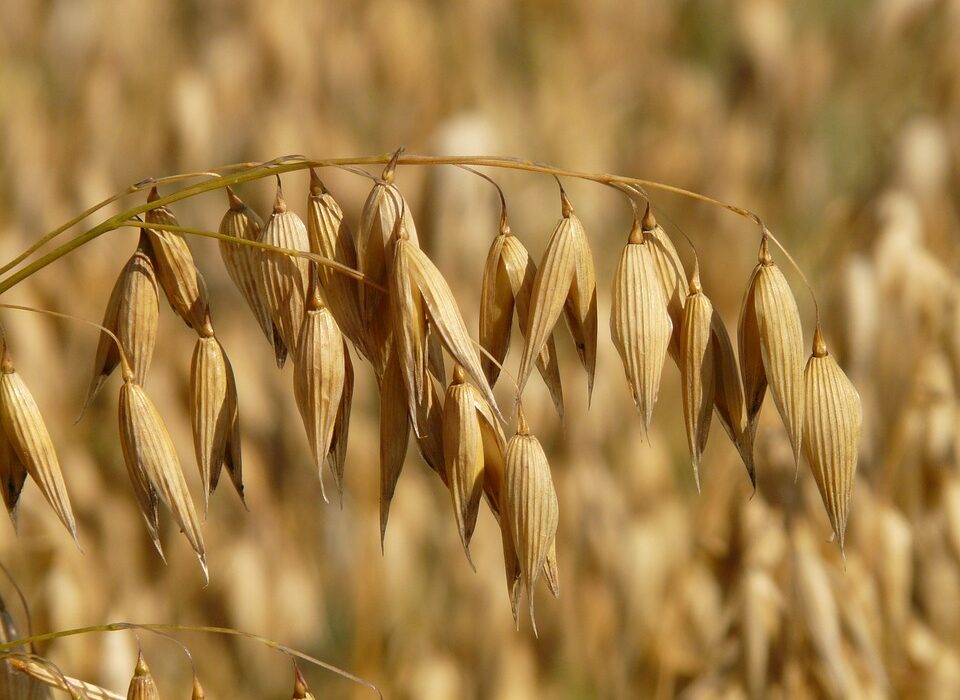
{"points": [[838, 122]]}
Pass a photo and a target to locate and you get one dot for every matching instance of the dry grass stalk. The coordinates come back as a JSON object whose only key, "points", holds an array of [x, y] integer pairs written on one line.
{"points": [[331, 238], [133, 316], [640, 323], [154, 466], [243, 265], [508, 277], [182, 283], [771, 347], [833, 419], [42, 673], [728, 395], [27, 436], [530, 503], [379, 220], [670, 273], [394, 435], [697, 370], [565, 282], [284, 279], [466, 419], [142, 685], [319, 377], [215, 415]]}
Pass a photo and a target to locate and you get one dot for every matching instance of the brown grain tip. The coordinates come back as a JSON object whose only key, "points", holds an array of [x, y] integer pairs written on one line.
{"points": [[764, 256], [636, 232], [236, 204], [649, 220], [6, 364], [819, 344], [459, 377], [391, 169], [153, 195], [523, 428], [695, 286], [279, 204], [300, 688], [565, 206], [317, 187]]}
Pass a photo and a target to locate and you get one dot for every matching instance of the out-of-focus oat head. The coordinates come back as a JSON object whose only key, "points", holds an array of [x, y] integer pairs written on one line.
{"points": [[380, 316]]}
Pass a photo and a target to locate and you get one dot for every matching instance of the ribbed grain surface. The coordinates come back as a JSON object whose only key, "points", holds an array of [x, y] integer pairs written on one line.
{"points": [[672, 279], [581, 307], [28, 436], [640, 326], [146, 442], [142, 685], [464, 458], [284, 278], [697, 374], [318, 381], [832, 425], [409, 325]]}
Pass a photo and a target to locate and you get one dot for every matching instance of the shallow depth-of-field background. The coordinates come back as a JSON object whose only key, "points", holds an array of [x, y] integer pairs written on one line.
{"points": [[839, 123]]}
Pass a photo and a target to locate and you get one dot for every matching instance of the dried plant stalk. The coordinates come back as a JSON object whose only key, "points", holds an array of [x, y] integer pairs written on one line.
{"points": [[27, 435], [640, 323], [152, 458], [833, 419], [133, 316], [182, 283]]}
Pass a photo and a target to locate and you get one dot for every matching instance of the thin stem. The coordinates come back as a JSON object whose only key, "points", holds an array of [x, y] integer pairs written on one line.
{"points": [[816, 306], [296, 162], [127, 626], [504, 226]]}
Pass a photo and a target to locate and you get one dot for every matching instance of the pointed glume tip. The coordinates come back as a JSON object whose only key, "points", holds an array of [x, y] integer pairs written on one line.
{"points": [[649, 220], [279, 204]]}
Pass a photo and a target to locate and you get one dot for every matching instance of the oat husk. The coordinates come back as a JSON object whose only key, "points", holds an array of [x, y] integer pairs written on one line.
{"points": [[319, 377], [697, 371], [508, 277], [670, 273], [182, 283], [565, 282], [771, 347], [153, 464], [27, 436], [531, 503], [142, 685], [394, 435], [337, 455], [728, 395], [284, 278], [331, 238], [300, 689], [430, 444], [640, 324], [833, 418], [133, 314], [13, 476], [243, 265], [214, 414]]}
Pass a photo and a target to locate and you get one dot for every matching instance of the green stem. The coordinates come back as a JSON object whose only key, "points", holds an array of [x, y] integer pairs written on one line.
{"points": [[294, 163], [127, 626]]}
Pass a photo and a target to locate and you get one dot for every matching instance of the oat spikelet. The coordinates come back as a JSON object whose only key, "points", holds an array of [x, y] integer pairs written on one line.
{"points": [[394, 436], [33, 670], [27, 436], [511, 566], [214, 413], [198, 692], [133, 316], [773, 327], [640, 324], [670, 273], [284, 278], [337, 456], [444, 316], [150, 454], [728, 395], [375, 250], [142, 685], [697, 371], [565, 282], [531, 502], [430, 444], [331, 238], [13, 475], [463, 455], [551, 571], [508, 278], [182, 283], [243, 264], [300, 689], [318, 378], [833, 418]]}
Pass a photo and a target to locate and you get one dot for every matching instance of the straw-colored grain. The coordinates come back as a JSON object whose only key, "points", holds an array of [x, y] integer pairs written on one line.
{"points": [[697, 370]]}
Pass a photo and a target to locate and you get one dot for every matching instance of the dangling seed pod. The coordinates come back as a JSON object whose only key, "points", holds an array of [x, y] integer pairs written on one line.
{"points": [[26, 434], [300, 689], [430, 444], [670, 273], [182, 283], [243, 265], [640, 324], [284, 278], [728, 395], [337, 456], [319, 377], [565, 282], [132, 314], [531, 502], [154, 466], [833, 418], [771, 347], [331, 238], [394, 436], [214, 413], [142, 685], [697, 371], [507, 285]]}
